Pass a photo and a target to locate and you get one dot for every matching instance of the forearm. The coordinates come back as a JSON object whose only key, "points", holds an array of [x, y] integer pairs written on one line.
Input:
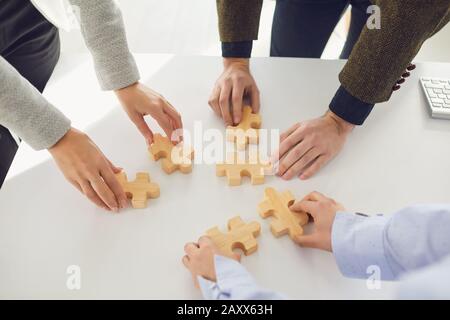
{"points": [[381, 56], [404, 241], [234, 283], [104, 33], [238, 26], [26, 112]]}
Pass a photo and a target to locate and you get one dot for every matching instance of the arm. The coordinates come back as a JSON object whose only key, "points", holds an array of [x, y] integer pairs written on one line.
{"points": [[381, 56], [104, 34], [222, 278], [428, 283], [405, 241], [26, 112], [238, 27]]}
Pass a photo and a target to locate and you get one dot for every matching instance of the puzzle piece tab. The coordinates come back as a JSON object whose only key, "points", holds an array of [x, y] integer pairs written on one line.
{"points": [[239, 236], [173, 157], [235, 169], [140, 190], [285, 221], [247, 131]]}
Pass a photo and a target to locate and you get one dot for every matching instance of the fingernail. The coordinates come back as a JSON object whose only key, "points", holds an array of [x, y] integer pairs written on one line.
{"points": [[115, 209], [123, 204]]}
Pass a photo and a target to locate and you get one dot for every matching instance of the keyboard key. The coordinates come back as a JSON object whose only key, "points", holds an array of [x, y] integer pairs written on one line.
{"points": [[442, 96], [438, 105], [447, 106], [436, 81], [438, 91], [434, 86], [437, 100]]}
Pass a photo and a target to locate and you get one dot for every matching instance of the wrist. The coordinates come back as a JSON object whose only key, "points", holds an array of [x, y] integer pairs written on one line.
{"points": [[344, 127], [127, 88], [238, 62], [64, 140]]}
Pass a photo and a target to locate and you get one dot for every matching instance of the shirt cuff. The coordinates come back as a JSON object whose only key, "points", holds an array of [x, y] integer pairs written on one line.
{"points": [[358, 248], [349, 108], [240, 49], [230, 275]]}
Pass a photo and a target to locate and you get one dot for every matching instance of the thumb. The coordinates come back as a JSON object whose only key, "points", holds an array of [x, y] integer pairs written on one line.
{"points": [[305, 206], [143, 127], [306, 241]]}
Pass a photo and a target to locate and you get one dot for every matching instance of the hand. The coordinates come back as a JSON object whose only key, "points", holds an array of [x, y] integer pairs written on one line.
{"points": [[85, 166], [199, 259], [308, 146], [139, 101], [234, 85], [323, 211]]}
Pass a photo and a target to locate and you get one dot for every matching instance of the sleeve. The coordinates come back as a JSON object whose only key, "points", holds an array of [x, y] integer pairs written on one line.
{"points": [[234, 283], [431, 283], [238, 19], [405, 241], [381, 55], [26, 112], [104, 34]]}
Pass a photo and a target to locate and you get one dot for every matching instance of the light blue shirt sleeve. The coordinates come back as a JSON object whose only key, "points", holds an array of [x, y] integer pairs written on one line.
{"points": [[408, 240], [234, 283], [412, 245]]}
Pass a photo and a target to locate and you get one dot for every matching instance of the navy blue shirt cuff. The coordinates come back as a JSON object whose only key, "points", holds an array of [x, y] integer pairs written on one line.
{"points": [[349, 108], [241, 49]]}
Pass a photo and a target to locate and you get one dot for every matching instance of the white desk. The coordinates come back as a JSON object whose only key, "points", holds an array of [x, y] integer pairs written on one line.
{"points": [[399, 157]]}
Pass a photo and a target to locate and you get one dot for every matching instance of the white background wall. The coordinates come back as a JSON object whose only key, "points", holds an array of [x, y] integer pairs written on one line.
{"points": [[190, 27]]}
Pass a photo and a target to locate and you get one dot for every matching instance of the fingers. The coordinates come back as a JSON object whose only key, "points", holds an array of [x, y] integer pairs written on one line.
{"points": [[290, 131], [113, 167], [307, 206], [306, 241], [190, 248], [224, 103], [174, 116], [293, 155], [255, 99], [143, 128], [315, 196], [104, 192], [115, 187], [165, 124], [301, 164], [205, 241], [214, 101], [314, 168], [291, 141], [237, 99], [90, 193], [186, 261]]}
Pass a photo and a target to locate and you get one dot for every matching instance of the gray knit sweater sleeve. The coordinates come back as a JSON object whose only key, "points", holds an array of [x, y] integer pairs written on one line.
{"points": [[26, 112], [104, 33]]}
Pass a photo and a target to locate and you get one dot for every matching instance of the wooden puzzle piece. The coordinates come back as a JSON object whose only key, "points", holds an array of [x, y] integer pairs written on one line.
{"points": [[234, 169], [285, 220], [247, 131], [173, 157], [240, 235], [140, 190]]}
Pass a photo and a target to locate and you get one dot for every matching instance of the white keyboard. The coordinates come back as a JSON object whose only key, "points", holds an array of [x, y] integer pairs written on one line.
{"points": [[437, 92]]}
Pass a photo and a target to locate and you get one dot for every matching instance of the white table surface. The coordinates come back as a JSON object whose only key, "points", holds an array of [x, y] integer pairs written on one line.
{"points": [[400, 157]]}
